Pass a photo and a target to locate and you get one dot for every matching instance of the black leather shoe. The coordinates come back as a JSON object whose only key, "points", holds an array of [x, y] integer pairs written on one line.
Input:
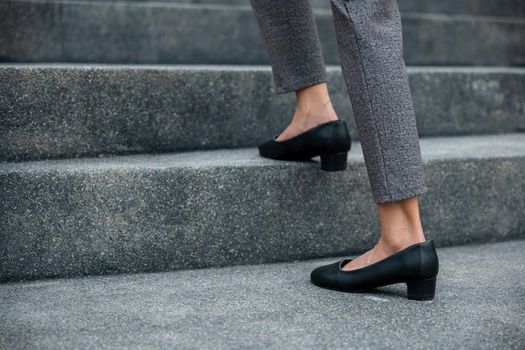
{"points": [[417, 266], [329, 140]]}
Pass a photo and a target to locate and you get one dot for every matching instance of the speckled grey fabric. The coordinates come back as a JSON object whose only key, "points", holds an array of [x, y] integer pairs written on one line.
{"points": [[371, 54], [292, 41]]}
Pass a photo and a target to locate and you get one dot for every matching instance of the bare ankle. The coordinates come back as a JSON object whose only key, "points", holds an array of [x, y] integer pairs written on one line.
{"points": [[313, 114], [313, 105], [399, 239], [400, 224]]}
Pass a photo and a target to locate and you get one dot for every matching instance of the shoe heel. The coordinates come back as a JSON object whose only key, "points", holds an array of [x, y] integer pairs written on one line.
{"points": [[421, 289], [334, 161]]}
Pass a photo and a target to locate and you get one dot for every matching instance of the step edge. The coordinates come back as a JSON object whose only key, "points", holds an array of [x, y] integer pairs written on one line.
{"points": [[497, 146]]}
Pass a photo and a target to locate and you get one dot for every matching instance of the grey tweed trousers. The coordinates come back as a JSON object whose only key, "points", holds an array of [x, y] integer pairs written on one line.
{"points": [[370, 47]]}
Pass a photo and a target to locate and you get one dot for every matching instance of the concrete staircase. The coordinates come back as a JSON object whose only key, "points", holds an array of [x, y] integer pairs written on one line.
{"points": [[66, 111], [92, 176], [145, 213], [175, 33], [128, 134]]}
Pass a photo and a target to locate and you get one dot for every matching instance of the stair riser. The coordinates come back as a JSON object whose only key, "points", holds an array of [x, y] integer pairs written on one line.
{"points": [[85, 220], [69, 111], [167, 33]]}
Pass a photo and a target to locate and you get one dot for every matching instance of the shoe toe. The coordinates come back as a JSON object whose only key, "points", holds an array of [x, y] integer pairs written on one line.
{"points": [[316, 275], [321, 276], [266, 149]]}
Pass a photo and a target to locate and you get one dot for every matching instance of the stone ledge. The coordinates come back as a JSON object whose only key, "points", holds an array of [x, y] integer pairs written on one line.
{"points": [[159, 213], [72, 110], [160, 32]]}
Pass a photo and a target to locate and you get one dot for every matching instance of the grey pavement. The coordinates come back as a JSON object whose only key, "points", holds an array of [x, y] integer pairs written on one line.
{"points": [[480, 304]]}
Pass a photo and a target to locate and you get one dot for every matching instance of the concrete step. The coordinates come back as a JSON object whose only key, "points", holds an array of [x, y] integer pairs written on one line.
{"points": [[199, 209], [479, 305], [160, 32], [56, 111], [514, 8]]}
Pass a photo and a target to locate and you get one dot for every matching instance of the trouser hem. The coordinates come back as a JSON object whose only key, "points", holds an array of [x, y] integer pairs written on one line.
{"points": [[401, 195], [301, 84]]}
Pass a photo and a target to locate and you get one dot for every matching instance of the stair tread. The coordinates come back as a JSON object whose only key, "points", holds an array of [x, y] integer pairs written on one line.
{"points": [[474, 7], [245, 7], [241, 67], [479, 304], [432, 148]]}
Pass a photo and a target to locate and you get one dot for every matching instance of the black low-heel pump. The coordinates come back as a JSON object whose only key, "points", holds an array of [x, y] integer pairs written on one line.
{"points": [[417, 266], [329, 140]]}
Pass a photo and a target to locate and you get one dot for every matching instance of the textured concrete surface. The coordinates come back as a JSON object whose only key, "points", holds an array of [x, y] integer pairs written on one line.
{"points": [[158, 213], [480, 304], [160, 32], [56, 111], [514, 8]]}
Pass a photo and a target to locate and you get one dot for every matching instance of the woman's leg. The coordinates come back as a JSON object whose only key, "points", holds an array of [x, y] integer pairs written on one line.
{"points": [[400, 228], [371, 54], [370, 49], [290, 34]]}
